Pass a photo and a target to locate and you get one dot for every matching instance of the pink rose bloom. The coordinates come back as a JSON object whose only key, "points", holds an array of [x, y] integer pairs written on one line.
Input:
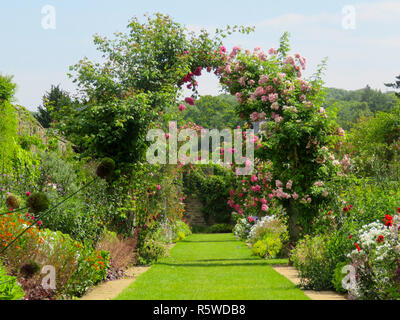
{"points": [[253, 178], [182, 107], [272, 51], [231, 192], [190, 101], [265, 98], [264, 208], [228, 69], [254, 116], [275, 106], [251, 82], [158, 187], [242, 81], [289, 184], [273, 97], [295, 196], [325, 194], [278, 183], [263, 79], [264, 201], [259, 91], [240, 195], [319, 184], [167, 136]]}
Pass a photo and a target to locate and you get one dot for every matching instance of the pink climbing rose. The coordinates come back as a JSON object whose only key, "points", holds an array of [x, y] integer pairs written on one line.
{"points": [[190, 101]]}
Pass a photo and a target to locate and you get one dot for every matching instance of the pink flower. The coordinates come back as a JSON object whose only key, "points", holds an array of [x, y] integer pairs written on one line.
{"points": [[275, 106], [182, 107], [264, 207], [272, 51], [253, 178], [28, 193], [263, 201], [167, 136], [190, 101], [39, 223], [158, 187], [289, 184], [254, 116], [295, 196], [278, 183], [228, 69], [231, 192], [273, 97], [242, 81]]}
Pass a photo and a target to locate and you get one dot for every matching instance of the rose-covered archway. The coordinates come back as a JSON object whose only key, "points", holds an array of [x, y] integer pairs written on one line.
{"points": [[293, 162]]}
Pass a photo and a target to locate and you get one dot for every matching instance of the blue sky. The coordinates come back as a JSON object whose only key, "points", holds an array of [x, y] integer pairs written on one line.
{"points": [[368, 54]]}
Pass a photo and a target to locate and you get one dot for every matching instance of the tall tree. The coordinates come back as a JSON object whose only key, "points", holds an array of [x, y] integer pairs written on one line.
{"points": [[395, 85], [53, 100]]}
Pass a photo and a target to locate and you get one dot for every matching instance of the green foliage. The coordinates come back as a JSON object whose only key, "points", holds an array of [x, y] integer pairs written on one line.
{"points": [[137, 82], [374, 145], [151, 251], [310, 258], [212, 112], [269, 247], [395, 85], [211, 183], [180, 236], [53, 100], [338, 276], [220, 228], [354, 105], [9, 287]]}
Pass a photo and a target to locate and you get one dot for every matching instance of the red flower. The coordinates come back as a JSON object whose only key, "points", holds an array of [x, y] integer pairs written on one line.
{"points": [[189, 101], [388, 220], [357, 246], [380, 239], [350, 236], [28, 193], [398, 210]]}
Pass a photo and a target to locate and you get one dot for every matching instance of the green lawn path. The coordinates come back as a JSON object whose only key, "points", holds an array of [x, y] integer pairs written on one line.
{"points": [[212, 267]]}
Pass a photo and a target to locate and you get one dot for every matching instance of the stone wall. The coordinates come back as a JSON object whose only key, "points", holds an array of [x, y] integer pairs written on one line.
{"points": [[193, 214]]}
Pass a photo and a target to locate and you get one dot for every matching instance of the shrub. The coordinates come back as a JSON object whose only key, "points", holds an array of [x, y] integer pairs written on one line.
{"points": [[268, 226], [9, 288], [181, 236], [338, 276], [182, 227], [122, 251], [151, 251], [376, 259], [269, 247], [243, 227], [221, 228], [310, 258]]}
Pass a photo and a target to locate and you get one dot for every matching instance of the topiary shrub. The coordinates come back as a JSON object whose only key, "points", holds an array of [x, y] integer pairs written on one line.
{"points": [[106, 168], [13, 202], [38, 202]]}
